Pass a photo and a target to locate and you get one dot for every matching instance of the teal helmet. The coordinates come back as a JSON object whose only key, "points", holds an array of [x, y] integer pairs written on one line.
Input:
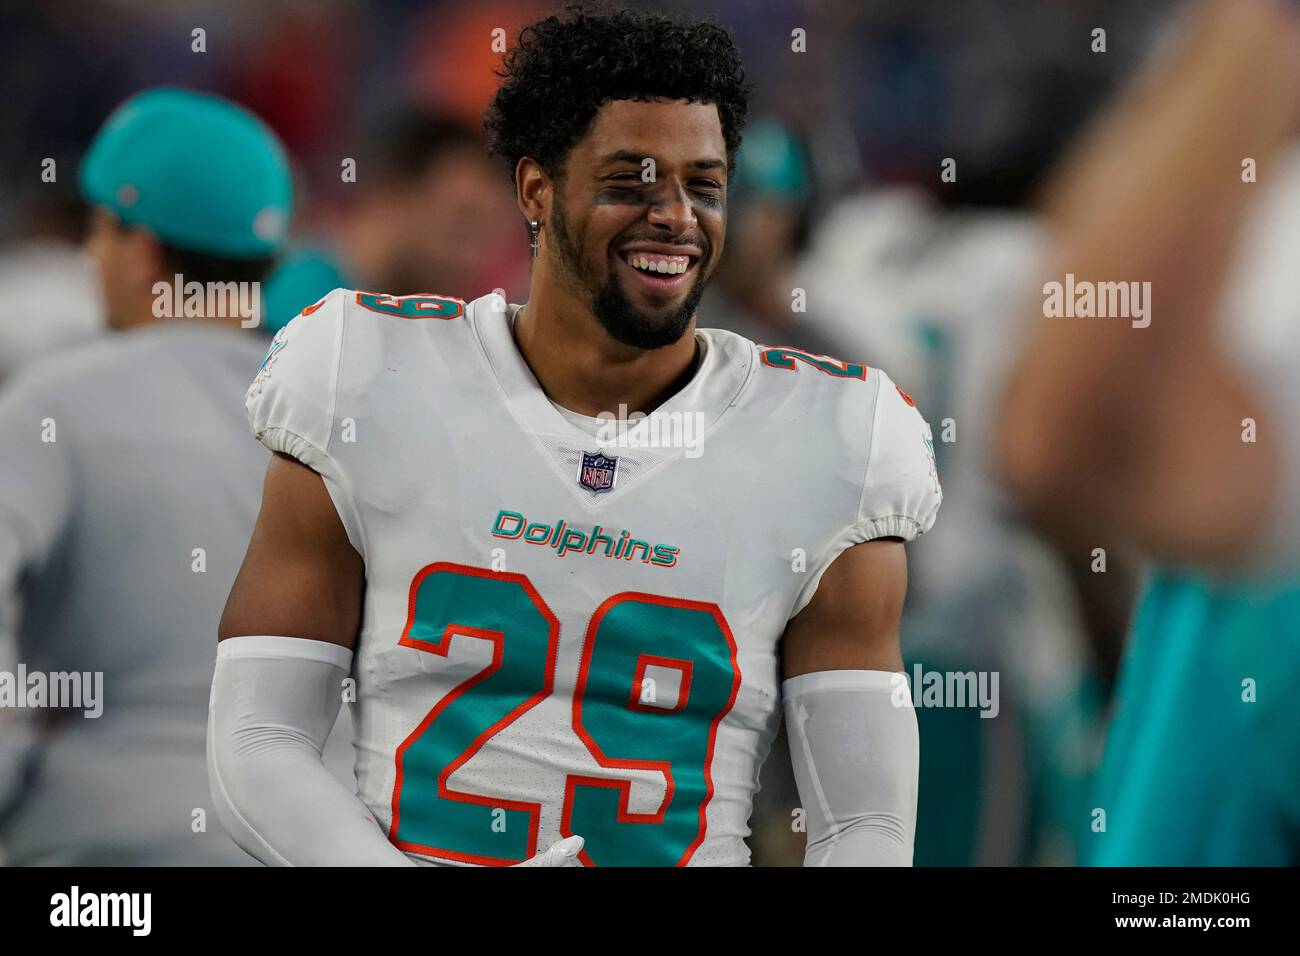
{"points": [[200, 172]]}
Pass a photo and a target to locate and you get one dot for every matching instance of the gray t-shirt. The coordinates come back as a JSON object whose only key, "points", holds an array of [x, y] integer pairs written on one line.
{"points": [[129, 486]]}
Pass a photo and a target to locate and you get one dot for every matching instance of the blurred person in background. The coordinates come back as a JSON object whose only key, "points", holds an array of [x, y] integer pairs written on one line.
{"points": [[430, 211], [1175, 434], [884, 276], [894, 277], [772, 197], [128, 487], [898, 280]]}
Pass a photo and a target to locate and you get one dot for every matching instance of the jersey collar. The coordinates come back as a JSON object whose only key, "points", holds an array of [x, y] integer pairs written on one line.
{"points": [[724, 368]]}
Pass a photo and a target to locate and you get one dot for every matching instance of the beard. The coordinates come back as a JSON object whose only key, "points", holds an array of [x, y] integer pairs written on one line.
{"points": [[620, 319]]}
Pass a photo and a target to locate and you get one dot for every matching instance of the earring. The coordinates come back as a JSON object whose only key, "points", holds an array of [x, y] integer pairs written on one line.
{"points": [[533, 230]]}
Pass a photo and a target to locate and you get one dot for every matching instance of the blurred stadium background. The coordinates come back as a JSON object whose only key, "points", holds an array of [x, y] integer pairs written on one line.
{"points": [[838, 193]]}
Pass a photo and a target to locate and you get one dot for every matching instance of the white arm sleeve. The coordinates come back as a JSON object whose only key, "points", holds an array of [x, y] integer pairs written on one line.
{"points": [[274, 702], [856, 755]]}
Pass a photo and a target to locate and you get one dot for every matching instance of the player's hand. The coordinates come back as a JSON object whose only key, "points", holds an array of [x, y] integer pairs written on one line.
{"points": [[563, 853]]}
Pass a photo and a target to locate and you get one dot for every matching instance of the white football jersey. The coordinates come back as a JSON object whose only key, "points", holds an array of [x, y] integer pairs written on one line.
{"points": [[571, 628]]}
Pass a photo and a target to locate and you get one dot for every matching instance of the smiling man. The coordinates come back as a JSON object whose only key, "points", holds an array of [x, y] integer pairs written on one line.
{"points": [[555, 641]]}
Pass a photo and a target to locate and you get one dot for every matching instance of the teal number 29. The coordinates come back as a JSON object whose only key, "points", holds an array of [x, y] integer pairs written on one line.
{"points": [[631, 637]]}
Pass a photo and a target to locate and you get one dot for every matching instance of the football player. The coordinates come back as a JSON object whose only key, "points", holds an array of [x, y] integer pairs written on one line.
{"points": [[566, 626]]}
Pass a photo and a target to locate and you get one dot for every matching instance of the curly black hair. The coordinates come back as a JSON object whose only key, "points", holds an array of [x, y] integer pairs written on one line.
{"points": [[565, 67]]}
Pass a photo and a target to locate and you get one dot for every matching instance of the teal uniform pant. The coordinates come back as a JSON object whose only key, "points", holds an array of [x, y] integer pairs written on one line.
{"points": [[1202, 760]]}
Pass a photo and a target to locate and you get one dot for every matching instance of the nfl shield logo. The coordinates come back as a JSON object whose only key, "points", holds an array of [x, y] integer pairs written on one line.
{"points": [[596, 473]]}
